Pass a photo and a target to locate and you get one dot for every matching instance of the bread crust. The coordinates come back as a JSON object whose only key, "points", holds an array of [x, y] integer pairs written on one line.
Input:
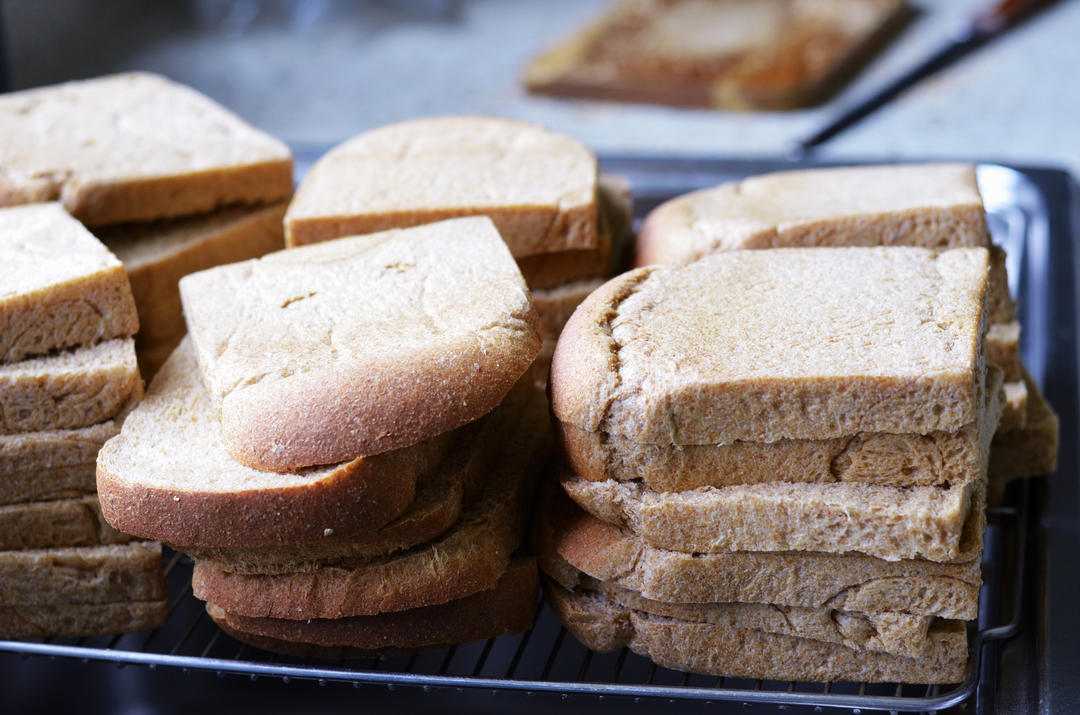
{"points": [[508, 607]]}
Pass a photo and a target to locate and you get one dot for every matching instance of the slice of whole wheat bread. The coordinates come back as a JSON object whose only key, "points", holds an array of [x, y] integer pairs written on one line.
{"points": [[720, 649], [889, 522], [82, 575], [59, 287], [929, 205], [133, 147], [849, 582], [762, 346], [379, 341], [471, 557], [69, 390], [556, 304], [539, 187], [168, 477], [1027, 452], [157, 254], [69, 620], [508, 607], [61, 522], [440, 497]]}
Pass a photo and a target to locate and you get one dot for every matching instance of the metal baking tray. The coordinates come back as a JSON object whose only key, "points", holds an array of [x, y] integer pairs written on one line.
{"points": [[547, 660]]}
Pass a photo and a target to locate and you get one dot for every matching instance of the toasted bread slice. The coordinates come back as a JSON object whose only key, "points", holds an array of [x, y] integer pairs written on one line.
{"points": [[379, 341], [60, 287], [168, 477], [133, 147], [539, 187]]}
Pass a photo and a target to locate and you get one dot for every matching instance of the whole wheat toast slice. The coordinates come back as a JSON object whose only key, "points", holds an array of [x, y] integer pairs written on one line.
{"points": [[82, 575], [168, 477], [61, 522], [70, 389], [133, 147], [885, 632], [157, 254], [884, 521], [67, 620], [879, 459], [440, 497], [508, 607], [848, 582], [471, 557], [1027, 452], [380, 341], [720, 649], [60, 287], [556, 304], [759, 346], [538, 186], [928, 205]]}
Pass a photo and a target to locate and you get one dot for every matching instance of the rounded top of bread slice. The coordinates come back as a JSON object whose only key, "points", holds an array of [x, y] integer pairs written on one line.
{"points": [[167, 476], [928, 205], [362, 345], [810, 343], [538, 186], [132, 147]]}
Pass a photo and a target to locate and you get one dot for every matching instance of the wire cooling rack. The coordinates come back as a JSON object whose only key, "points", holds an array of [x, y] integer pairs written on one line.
{"points": [[546, 659]]}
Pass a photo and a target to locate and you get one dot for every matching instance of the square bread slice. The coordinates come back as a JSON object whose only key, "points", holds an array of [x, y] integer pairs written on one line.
{"points": [[376, 342], [133, 147], [168, 477], [157, 254], [725, 650], [69, 390], [803, 579], [68, 620], [59, 286], [810, 343], [538, 186], [928, 205], [61, 522]]}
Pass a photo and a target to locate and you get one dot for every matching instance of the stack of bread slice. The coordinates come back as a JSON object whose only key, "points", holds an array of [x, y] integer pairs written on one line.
{"points": [[565, 226], [783, 459], [169, 180], [930, 205], [345, 443], [68, 376]]}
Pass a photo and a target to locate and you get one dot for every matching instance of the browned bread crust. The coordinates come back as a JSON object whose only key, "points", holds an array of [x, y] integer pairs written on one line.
{"points": [[167, 477], [508, 607]]}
